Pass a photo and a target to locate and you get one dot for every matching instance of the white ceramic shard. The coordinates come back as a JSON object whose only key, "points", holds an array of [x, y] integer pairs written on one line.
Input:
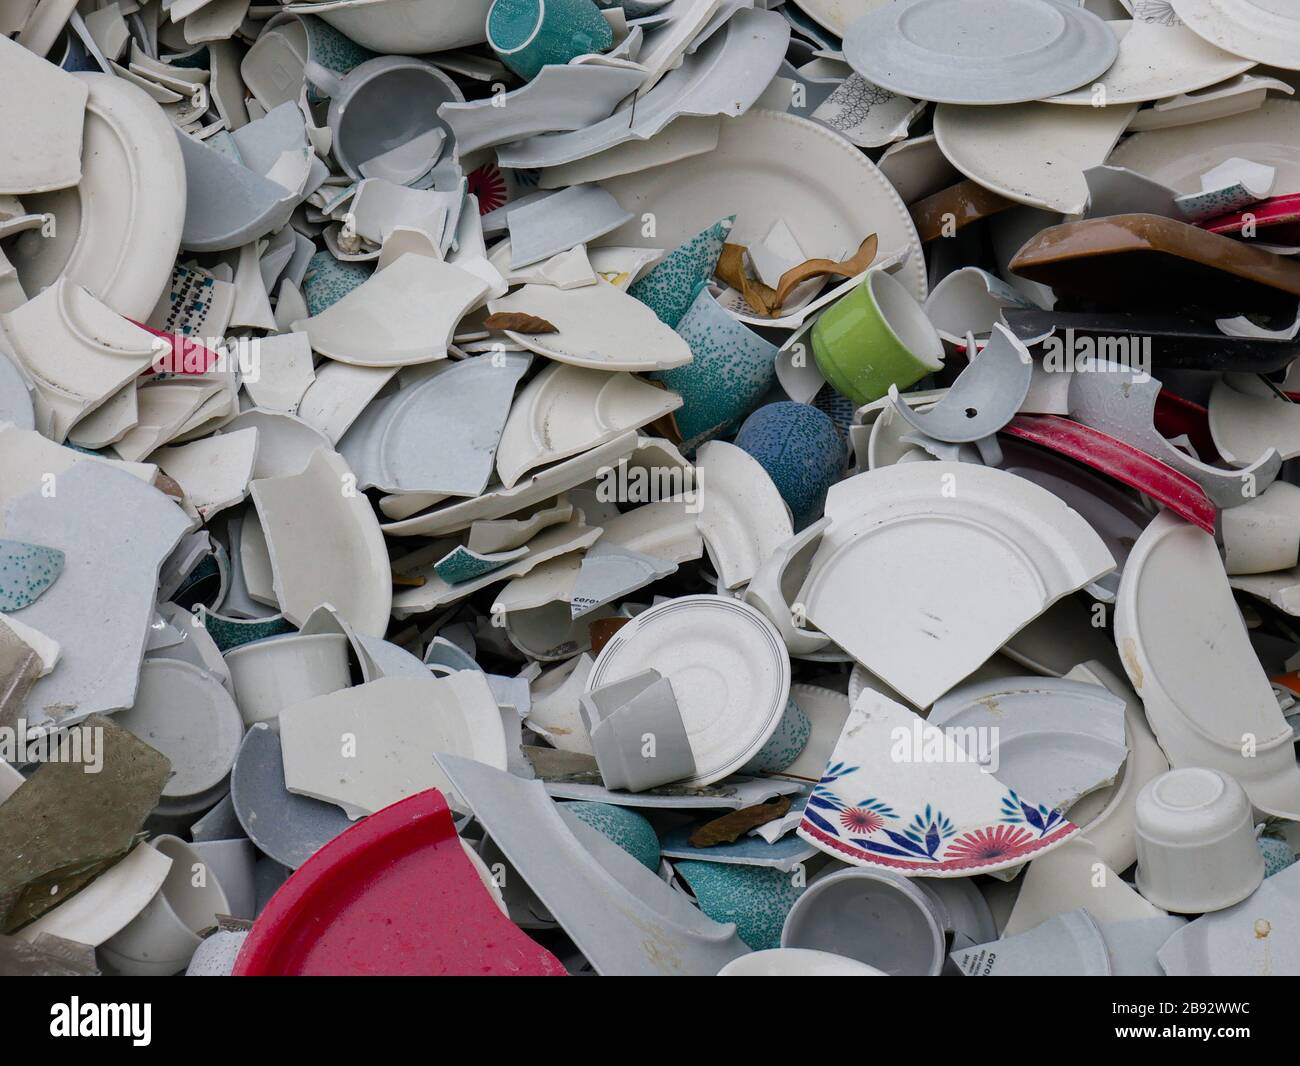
{"points": [[380, 208], [1265, 31], [439, 435], [1216, 708], [325, 544], [597, 326], [213, 471], [567, 409], [1031, 153], [562, 220], [398, 724], [42, 109], [680, 139], [78, 351], [1055, 740], [554, 711], [610, 572], [338, 396], [741, 514], [558, 98], [728, 667], [285, 372], [404, 314], [1069, 945], [105, 906], [502, 534], [1238, 95], [666, 529], [930, 540], [285, 443], [1244, 426]]}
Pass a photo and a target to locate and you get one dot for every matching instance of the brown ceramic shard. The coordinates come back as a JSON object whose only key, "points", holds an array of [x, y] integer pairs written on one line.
{"points": [[955, 207], [519, 322], [1151, 263], [64, 826], [732, 826], [820, 268]]}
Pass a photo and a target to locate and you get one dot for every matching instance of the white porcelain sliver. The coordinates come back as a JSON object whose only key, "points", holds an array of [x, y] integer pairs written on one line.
{"points": [[566, 409], [959, 558], [42, 109], [1212, 707], [213, 471]]}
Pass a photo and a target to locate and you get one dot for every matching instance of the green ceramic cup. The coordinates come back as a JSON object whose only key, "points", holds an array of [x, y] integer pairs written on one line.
{"points": [[874, 337], [529, 34]]}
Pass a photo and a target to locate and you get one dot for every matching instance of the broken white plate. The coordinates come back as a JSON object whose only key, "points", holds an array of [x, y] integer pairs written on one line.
{"points": [[398, 725], [501, 502], [439, 435], [929, 540], [1256, 938], [502, 534], [186, 714], [391, 318], [1244, 426], [120, 228], [742, 516], [285, 443], [622, 917], [213, 471], [325, 544], [1237, 96], [567, 218], [840, 195], [1216, 708], [554, 711], [1156, 61], [597, 326], [969, 300], [77, 350], [115, 530], [901, 794], [1054, 740], [568, 409], [284, 374], [1031, 153], [338, 396], [609, 573], [1069, 945], [728, 667]]}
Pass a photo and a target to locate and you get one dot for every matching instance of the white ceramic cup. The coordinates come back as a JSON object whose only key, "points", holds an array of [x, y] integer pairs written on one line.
{"points": [[163, 937], [1196, 842], [270, 675], [872, 916]]}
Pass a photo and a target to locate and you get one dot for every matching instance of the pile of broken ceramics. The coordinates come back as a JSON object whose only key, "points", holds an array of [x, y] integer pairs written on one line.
{"points": [[649, 487]]}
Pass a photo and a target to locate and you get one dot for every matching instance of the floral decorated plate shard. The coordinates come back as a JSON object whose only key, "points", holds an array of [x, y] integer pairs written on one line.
{"points": [[904, 795]]}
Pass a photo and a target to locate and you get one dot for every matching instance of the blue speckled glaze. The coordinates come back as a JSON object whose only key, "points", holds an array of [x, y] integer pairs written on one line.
{"points": [[783, 746], [756, 898], [26, 570], [229, 633], [670, 288], [731, 369], [328, 280], [624, 826], [838, 406], [1277, 855], [529, 34], [802, 451]]}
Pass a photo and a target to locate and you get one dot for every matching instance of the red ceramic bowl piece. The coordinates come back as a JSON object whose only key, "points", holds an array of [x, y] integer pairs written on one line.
{"points": [[1275, 211], [1121, 461], [392, 896]]}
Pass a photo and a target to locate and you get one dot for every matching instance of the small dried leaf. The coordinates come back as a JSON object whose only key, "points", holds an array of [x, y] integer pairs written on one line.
{"points": [[731, 271], [519, 322], [732, 826], [819, 268]]}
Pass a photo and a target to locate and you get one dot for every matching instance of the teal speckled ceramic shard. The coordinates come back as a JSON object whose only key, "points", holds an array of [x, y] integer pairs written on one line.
{"points": [[460, 564], [670, 288], [26, 570]]}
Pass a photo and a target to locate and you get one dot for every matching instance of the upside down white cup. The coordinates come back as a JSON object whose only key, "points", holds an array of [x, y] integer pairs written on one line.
{"points": [[162, 938], [270, 675], [1196, 842]]}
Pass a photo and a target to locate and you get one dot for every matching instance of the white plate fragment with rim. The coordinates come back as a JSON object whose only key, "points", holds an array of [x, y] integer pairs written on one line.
{"points": [[955, 559], [1188, 654], [728, 668], [742, 516], [1267, 31]]}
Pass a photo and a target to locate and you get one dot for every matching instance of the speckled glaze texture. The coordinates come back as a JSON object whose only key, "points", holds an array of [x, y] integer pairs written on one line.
{"points": [[629, 830], [26, 570], [529, 34], [328, 280], [802, 451], [460, 565], [783, 746], [731, 370], [1277, 855], [757, 899], [671, 286], [231, 633]]}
